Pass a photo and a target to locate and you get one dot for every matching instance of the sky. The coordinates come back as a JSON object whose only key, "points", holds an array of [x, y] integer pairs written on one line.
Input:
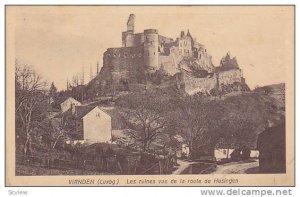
{"points": [[60, 41]]}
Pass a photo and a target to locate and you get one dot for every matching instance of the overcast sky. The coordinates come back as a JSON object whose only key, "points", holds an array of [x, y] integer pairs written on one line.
{"points": [[60, 41]]}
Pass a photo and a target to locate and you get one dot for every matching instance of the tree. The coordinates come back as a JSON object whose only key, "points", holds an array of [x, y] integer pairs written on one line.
{"points": [[53, 90], [52, 132], [29, 102], [144, 118], [198, 120]]}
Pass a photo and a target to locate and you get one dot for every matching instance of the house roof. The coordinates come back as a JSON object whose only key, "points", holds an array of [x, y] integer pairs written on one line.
{"points": [[83, 110], [80, 113], [63, 114]]}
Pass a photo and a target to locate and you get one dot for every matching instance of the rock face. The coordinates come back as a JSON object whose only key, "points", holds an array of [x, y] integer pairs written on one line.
{"points": [[184, 62]]}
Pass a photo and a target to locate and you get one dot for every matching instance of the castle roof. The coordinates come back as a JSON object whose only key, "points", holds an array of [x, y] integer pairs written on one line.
{"points": [[189, 34]]}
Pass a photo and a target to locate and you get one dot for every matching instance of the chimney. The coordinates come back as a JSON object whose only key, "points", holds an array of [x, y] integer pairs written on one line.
{"points": [[182, 34]]}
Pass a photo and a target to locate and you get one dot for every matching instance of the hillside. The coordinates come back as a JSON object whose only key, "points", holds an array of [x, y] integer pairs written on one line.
{"points": [[276, 91], [245, 113], [256, 107]]}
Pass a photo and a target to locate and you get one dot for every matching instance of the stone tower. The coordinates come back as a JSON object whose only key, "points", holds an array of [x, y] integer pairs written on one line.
{"points": [[151, 50], [128, 36], [130, 23]]}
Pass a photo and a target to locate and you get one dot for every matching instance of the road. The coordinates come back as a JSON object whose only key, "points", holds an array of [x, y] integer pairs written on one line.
{"points": [[238, 168], [182, 166]]}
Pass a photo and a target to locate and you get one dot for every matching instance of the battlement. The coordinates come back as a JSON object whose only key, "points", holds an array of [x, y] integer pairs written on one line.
{"points": [[150, 31], [124, 52]]}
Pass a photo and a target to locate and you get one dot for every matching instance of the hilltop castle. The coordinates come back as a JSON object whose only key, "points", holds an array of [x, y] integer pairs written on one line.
{"points": [[148, 58]]}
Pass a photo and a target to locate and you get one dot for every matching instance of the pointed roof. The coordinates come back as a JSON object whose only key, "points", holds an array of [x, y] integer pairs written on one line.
{"points": [[189, 34]]}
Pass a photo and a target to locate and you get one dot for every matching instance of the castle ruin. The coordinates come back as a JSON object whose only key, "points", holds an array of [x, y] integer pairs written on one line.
{"points": [[148, 58]]}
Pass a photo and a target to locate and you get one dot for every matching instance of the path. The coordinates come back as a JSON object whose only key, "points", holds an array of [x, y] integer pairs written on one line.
{"points": [[182, 166]]}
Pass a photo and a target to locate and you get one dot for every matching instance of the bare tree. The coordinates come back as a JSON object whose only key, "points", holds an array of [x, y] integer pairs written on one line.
{"points": [[29, 91], [52, 132], [198, 121], [144, 126], [144, 120]]}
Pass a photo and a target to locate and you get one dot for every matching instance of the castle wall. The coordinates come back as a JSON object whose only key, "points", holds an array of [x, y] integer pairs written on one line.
{"points": [[168, 63], [139, 39], [204, 61], [124, 64], [194, 85], [230, 76], [130, 39], [163, 39]]}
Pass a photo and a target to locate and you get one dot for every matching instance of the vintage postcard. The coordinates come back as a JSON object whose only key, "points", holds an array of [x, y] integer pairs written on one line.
{"points": [[150, 95]]}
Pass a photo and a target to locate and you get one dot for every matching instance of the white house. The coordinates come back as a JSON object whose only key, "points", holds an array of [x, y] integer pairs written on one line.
{"points": [[93, 123], [67, 104]]}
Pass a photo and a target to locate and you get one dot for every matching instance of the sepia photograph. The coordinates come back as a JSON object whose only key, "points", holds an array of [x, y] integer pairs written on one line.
{"points": [[142, 95]]}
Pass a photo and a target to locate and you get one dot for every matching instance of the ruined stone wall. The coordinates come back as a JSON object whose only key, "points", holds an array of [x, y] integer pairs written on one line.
{"points": [[132, 40], [168, 64], [139, 39], [124, 64], [230, 76], [194, 85], [163, 39], [204, 60]]}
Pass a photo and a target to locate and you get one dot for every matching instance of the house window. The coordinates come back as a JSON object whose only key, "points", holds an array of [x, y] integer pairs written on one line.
{"points": [[98, 114]]}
